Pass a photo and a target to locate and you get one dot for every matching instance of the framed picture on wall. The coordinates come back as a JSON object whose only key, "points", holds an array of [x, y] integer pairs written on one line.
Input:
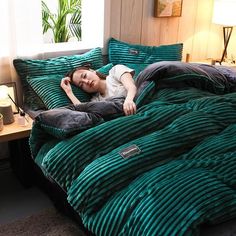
{"points": [[168, 8]]}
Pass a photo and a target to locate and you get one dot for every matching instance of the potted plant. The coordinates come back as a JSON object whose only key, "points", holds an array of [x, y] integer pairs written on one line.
{"points": [[65, 23]]}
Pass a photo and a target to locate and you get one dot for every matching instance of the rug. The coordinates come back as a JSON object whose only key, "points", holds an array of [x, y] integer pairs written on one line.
{"points": [[49, 222]]}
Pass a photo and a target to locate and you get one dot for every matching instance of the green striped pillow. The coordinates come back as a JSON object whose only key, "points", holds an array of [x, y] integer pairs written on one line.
{"points": [[48, 89], [136, 67], [105, 69], [122, 53], [29, 69]]}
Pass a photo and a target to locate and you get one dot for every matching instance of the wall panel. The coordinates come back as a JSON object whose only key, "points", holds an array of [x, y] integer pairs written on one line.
{"points": [[202, 29], [131, 20], [202, 39], [169, 30], [186, 26], [5, 70], [151, 26], [115, 21]]}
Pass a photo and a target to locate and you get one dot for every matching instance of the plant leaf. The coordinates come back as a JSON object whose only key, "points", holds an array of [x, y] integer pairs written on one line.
{"points": [[67, 21]]}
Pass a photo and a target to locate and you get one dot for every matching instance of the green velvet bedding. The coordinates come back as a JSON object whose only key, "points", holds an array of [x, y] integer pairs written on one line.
{"points": [[165, 170]]}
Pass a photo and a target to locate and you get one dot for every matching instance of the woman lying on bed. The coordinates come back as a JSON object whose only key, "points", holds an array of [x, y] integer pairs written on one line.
{"points": [[118, 83]]}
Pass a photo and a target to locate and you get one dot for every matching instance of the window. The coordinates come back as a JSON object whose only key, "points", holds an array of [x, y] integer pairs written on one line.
{"points": [[22, 33], [61, 20], [92, 28]]}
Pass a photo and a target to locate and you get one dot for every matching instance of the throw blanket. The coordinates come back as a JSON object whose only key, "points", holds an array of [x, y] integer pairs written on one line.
{"points": [[61, 123], [74, 118], [165, 170]]}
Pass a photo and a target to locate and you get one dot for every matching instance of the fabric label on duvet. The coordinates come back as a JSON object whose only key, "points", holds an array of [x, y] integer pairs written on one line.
{"points": [[130, 151]]}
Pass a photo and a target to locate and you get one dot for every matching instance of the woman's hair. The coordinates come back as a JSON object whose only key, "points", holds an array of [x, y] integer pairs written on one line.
{"points": [[84, 67]]}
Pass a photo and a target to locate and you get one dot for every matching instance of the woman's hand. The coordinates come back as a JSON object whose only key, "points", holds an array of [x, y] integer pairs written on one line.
{"points": [[129, 107], [65, 85]]}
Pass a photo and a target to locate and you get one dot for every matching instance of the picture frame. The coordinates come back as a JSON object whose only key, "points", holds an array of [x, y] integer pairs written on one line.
{"points": [[12, 91], [168, 8]]}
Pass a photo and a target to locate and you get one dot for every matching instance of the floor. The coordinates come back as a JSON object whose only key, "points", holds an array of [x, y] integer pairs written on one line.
{"points": [[16, 201]]}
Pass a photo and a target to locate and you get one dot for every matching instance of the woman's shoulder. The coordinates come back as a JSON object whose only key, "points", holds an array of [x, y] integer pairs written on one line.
{"points": [[119, 69]]}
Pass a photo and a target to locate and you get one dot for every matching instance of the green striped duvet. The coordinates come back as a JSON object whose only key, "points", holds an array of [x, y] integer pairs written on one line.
{"points": [[180, 172]]}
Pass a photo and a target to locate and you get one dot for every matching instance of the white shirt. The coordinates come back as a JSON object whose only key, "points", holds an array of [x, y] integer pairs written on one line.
{"points": [[114, 84]]}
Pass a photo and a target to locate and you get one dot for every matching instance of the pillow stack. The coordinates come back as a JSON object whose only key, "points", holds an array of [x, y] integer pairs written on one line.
{"points": [[41, 78], [137, 56]]}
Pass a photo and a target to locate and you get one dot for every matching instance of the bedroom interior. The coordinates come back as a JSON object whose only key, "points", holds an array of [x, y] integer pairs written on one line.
{"points": [[137, 37]]}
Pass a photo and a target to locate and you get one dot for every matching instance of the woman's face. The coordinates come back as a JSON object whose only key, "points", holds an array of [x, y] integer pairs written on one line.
{"points": [[86, 80]]}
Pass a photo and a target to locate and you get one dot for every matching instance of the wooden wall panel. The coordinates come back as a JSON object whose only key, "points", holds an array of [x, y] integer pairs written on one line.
{"points": [[201, 38], [169, 30], [151, 26], [186, 26], [232, 45], [202, 29], [5, 70], [115, 21], [215, 42], [131, 20]]}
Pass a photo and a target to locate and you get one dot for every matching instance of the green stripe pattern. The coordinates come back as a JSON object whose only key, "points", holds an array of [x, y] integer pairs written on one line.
{"points": [[183, 176], [120, 52], [50, 92], [28, 69]]}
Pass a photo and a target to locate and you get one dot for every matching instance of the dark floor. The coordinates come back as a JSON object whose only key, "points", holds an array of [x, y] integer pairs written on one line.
{"points": [[225, 229], [16, 201]]}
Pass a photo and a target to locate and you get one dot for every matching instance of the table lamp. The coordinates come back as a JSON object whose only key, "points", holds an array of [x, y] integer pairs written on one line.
{"points": [[5, 106], [224, 14]]}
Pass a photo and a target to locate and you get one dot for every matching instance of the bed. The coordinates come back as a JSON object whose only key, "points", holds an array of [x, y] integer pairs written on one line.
{"points": [[166, 170]]}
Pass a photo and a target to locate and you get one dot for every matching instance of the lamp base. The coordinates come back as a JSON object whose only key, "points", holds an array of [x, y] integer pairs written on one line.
{"points": [[1, 122], [227, 31], [7, 113]]}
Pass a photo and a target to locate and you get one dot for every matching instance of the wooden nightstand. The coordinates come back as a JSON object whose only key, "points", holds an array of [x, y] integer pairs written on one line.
{"points": [[14, 131], [230, 65], [18, 142], [211, 62]]}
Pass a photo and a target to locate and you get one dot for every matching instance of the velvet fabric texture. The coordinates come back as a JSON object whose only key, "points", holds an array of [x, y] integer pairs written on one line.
{"points": [[35, 69], [121, 52]]}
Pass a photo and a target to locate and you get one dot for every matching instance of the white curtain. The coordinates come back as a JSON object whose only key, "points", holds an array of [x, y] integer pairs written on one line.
{"points": [[21, 33], [22, 36]]}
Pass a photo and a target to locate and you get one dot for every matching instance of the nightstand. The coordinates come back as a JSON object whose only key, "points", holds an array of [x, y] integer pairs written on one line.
{"points": [[14, 131], [211, 62], [18, 142], [230, 65]]}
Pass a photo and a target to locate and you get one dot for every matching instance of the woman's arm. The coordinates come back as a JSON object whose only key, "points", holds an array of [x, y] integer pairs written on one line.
{"points": [[128, 82], [65, 85]]}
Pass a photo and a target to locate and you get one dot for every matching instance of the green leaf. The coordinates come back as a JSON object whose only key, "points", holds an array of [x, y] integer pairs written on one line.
{"points": [[60, 24], [75, 25]]}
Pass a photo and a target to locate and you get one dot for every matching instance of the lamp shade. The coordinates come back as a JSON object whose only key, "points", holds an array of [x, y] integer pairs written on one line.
{"points": [[5, 106], [3, 92], [224, 12]]}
